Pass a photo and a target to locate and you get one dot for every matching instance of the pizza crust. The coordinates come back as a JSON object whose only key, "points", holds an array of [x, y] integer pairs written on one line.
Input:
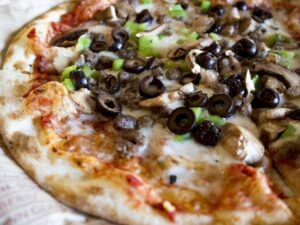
{"points": [[20, 55]]}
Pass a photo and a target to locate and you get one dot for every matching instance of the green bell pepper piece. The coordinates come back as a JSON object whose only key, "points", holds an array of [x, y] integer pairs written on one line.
{"points": [[182, 137], [69, 84], [83, 43], [117, 64], [205, 5], [88, 72], [66, 73], [176, 11], [289, 131]]}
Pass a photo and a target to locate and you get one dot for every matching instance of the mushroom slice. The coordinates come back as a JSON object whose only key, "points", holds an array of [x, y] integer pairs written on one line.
{"points": [[274, 84], [202, 23], [155, 31], [241, 144], [168, 98], [287, 77], [262, 115], [247, 25], [83, 100]]}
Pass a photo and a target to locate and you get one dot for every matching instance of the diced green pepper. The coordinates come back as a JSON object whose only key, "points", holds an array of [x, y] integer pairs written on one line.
{"points": [[205, 5], [117, 64], [177, 11], [134, 28], [214, 36], [66, 73], [218, 121], [197, 111], [88, 72], [256, 81], [147, 46], [83, 43], [290, 131], [182, 137], [146, 2], [275, 38], [286, 58], [69, 84]]}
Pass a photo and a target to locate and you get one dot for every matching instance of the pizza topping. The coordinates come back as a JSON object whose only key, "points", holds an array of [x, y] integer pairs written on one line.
{"points": [[207, 133], [245, 48], [83, 100], [197, 99], [181, 120], [98, 44], [217, 10], [242, 144], [108, 105], [221, 105], [266, 98], [241, 5], [144, 17], [206, 60], [134, 65], [190, 77], [112, 84], [69, 39], [260, 14], [236, 85], [295, 114], [120, 35], [125, 122], [151, 87], [215, 48], [79, 79]]}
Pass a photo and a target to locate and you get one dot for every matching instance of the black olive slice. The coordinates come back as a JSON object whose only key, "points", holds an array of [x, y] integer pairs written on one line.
{"points": [[116, 46], [221, 105], [245, 48], [190, 77], [181, 120], [112, 84], [69, 39], [120, 35], [260, 14], [241, 5], [134, 65], [236, 85], [207, 133], [215, 48], [104, 62], [295, 114], [108, 105], [217, 10], [144, 16], [197, 99], [266, 97], [79, 79], [215, 28], [98, 45], [206, 60], [151, 87]]}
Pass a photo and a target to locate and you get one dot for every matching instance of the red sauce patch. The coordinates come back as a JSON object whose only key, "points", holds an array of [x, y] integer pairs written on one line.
{"points": [[69, 19], [32, 33], [240, 170], [134, 181], [45, 121]]}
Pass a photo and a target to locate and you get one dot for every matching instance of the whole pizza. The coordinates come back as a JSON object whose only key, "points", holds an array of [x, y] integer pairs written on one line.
{"points": [[164, 112]]}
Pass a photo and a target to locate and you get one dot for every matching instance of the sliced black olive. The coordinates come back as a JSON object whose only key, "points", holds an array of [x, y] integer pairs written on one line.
{"points": [[151, 87], [217, 10], [98, 45], [108, 105], [295, 114], [221, 105], [266, 97], [134, 65], [181, 120], [125, 122], [241, 5], [206, 60], [207, 133], [144, 16], [245, 48], [69, 39], [236, 85], [179, 53], [79, 79], [197, 99], [104, 62], [116, 46], [215, 28], [260, 15], [215, 48], [120, 35], [125, 77], [112, 84], [172, 179], [190, 77]]}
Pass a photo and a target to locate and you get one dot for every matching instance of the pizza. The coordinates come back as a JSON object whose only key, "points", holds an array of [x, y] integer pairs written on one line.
{"points": [[160, 112]]}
